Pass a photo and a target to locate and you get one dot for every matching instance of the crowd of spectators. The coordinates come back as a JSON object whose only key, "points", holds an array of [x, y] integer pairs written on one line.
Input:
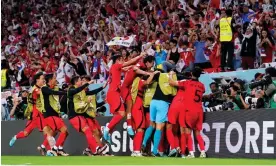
{"points": [[69, 37]]}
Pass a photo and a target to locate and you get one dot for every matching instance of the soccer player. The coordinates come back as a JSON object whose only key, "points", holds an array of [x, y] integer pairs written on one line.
{"points": [[90, 117], [158, 110], [51, 113], [193, 117], [34, 112], [140, 68], [77, 106], [113, 95], [176, 116], [137, 93]]}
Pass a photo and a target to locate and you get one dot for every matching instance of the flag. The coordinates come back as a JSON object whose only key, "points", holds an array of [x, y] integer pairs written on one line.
{"points": [[121, 41]]}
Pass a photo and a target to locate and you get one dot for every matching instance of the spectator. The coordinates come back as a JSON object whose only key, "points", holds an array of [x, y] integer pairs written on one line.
{"points": [[248, 49], [172, 58], [266, 46], [226, 39]]}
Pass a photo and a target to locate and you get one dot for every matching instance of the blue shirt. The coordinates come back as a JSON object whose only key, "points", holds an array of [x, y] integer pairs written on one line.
{"points": [[245, 17], [199, 53], [160, 57]]}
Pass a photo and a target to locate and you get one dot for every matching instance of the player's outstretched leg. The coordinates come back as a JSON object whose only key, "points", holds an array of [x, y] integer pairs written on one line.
{"points": [[22, 134], [201, 144], [114, 121]]}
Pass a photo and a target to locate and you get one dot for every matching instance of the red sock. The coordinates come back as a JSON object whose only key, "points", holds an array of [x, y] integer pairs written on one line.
{"points": [[176, 141], [45, 142], [114, 121], [20, 135], [90, 140], [200, 142], [161, 144], [170, 138], [129, 120], [61, 139], [137, 141], [183, 143], [190, 142]]}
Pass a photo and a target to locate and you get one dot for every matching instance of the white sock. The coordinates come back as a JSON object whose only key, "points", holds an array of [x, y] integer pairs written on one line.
{"points": [[203, 151], [55, 147], [15, 137], [192, 153], [129, 127], [161, 153], [42, 146], [60, 147]]}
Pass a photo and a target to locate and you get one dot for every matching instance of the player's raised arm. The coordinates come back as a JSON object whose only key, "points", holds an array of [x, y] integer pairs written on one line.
{"points": [[134, 60], [171, 81], [149, 80]]}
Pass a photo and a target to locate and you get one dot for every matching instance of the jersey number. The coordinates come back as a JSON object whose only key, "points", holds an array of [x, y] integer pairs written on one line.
{"points": [[197, 96]]}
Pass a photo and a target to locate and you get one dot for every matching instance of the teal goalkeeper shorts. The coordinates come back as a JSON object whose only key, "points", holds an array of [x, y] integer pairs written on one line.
{"points": [[159, 111]]}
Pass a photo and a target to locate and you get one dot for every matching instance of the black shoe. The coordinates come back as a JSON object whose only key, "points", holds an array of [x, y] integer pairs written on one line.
{"points": [[42, 150], [87, 152], [101, 149], [61, 152]]}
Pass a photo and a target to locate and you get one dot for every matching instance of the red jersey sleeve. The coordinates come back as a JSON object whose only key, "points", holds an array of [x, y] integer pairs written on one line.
{"points": [[118, 67], [35, 94], [181, 85]]}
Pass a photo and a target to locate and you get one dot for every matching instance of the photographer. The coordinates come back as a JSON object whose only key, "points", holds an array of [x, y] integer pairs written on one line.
{"points": [[216, 97], [270, 91], [19, 105]]}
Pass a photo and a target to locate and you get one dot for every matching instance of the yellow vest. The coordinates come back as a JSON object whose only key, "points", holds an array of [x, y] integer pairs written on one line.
{"points": [[164, 86], [39, 103], [82, 106], [53, 100], [225, 29], [4, 78], [29, 108], [91, 110], [148, 95], [134, 89]]}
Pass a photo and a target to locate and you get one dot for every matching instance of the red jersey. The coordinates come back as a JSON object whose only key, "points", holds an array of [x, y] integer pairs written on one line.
{"points": [[194, 91], [180, 95], [187, 56], [130, 75], [115, 77], [35, 95]]}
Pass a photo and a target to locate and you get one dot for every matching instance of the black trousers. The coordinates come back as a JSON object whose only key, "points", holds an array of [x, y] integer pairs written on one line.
{"points": [[227, 53]]}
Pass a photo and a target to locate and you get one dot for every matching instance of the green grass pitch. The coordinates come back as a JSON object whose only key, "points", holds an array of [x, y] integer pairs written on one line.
{"points": [[85, 160]]}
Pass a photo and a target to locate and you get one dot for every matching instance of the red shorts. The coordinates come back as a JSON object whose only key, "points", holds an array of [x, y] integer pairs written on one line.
{"points": [[125, 94], [93, 124], [138, 115], [78, 122], [194, 120], [113, 98], [176, 114], [54, 122]]}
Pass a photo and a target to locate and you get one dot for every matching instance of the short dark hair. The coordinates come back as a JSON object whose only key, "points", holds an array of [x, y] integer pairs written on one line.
{"points": [[36, 77], [214, 83], [229, 12], [197, 71], [149, 59], [48, 77], [115, 57], [210, 39], [74, 79], [173, 41], [271, 71], [87, 77]]}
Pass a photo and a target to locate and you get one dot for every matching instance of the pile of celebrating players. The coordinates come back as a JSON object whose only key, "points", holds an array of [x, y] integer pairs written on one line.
{"points": [[150, 99]]}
